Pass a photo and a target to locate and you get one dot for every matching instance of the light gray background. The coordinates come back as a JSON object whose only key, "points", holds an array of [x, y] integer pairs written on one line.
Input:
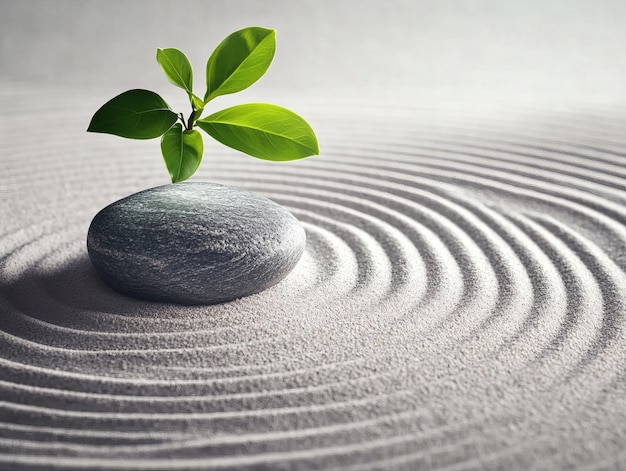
{"points": [[426, 50]]}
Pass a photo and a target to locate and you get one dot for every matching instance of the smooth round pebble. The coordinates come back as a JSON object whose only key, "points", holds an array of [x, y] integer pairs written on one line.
{"points": [[194, 243]]}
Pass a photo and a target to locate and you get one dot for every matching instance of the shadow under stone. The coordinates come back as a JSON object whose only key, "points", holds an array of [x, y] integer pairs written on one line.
{"points": [[60, 294]]}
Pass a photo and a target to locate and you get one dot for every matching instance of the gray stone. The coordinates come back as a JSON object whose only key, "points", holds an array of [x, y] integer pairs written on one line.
{"points": [[194, 243]]}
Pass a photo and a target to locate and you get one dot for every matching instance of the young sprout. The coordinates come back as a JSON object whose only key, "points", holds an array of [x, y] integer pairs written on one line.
{"points": [[261, 130]]}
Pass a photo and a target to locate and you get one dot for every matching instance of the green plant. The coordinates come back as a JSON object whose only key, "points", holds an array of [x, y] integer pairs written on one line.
{"points": [[261, 130]]}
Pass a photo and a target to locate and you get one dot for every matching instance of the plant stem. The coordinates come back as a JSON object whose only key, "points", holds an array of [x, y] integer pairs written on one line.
{"points": [[190, 122]]}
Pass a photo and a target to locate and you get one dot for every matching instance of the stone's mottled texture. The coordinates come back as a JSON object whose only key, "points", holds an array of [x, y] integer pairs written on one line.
{"points": [[194, 243]]}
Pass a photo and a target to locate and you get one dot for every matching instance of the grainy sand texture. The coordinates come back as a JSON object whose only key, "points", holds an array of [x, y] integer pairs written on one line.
{"points": [[460, 304]]}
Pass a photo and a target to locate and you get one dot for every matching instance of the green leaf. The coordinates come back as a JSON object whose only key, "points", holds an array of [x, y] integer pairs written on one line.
{"points": [[264, 131], [136, 114], [197, 102], [176, 67], [182, 152], [239, 61]]}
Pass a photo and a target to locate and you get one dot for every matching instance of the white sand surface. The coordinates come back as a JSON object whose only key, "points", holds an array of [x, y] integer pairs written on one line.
{"points": [[460, 305]]}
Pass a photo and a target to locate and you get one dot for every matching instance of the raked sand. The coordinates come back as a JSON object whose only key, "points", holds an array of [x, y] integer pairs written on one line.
{"points": [[460, 305]]}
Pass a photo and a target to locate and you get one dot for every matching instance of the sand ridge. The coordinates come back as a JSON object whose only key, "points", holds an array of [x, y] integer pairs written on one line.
{"points": [[460, 303]]}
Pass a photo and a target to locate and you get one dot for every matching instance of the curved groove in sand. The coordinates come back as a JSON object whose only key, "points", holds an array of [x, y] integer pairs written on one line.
{"points": [[462, 288]]}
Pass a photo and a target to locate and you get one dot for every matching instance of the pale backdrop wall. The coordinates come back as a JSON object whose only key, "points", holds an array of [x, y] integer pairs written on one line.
{"points": [[531, 51]]}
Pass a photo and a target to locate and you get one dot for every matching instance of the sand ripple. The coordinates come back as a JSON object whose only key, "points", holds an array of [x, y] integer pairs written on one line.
{"points": [[460, 303]]}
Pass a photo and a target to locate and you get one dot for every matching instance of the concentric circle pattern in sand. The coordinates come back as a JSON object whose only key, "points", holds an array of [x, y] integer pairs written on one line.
{"points": [[460, 304]]}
